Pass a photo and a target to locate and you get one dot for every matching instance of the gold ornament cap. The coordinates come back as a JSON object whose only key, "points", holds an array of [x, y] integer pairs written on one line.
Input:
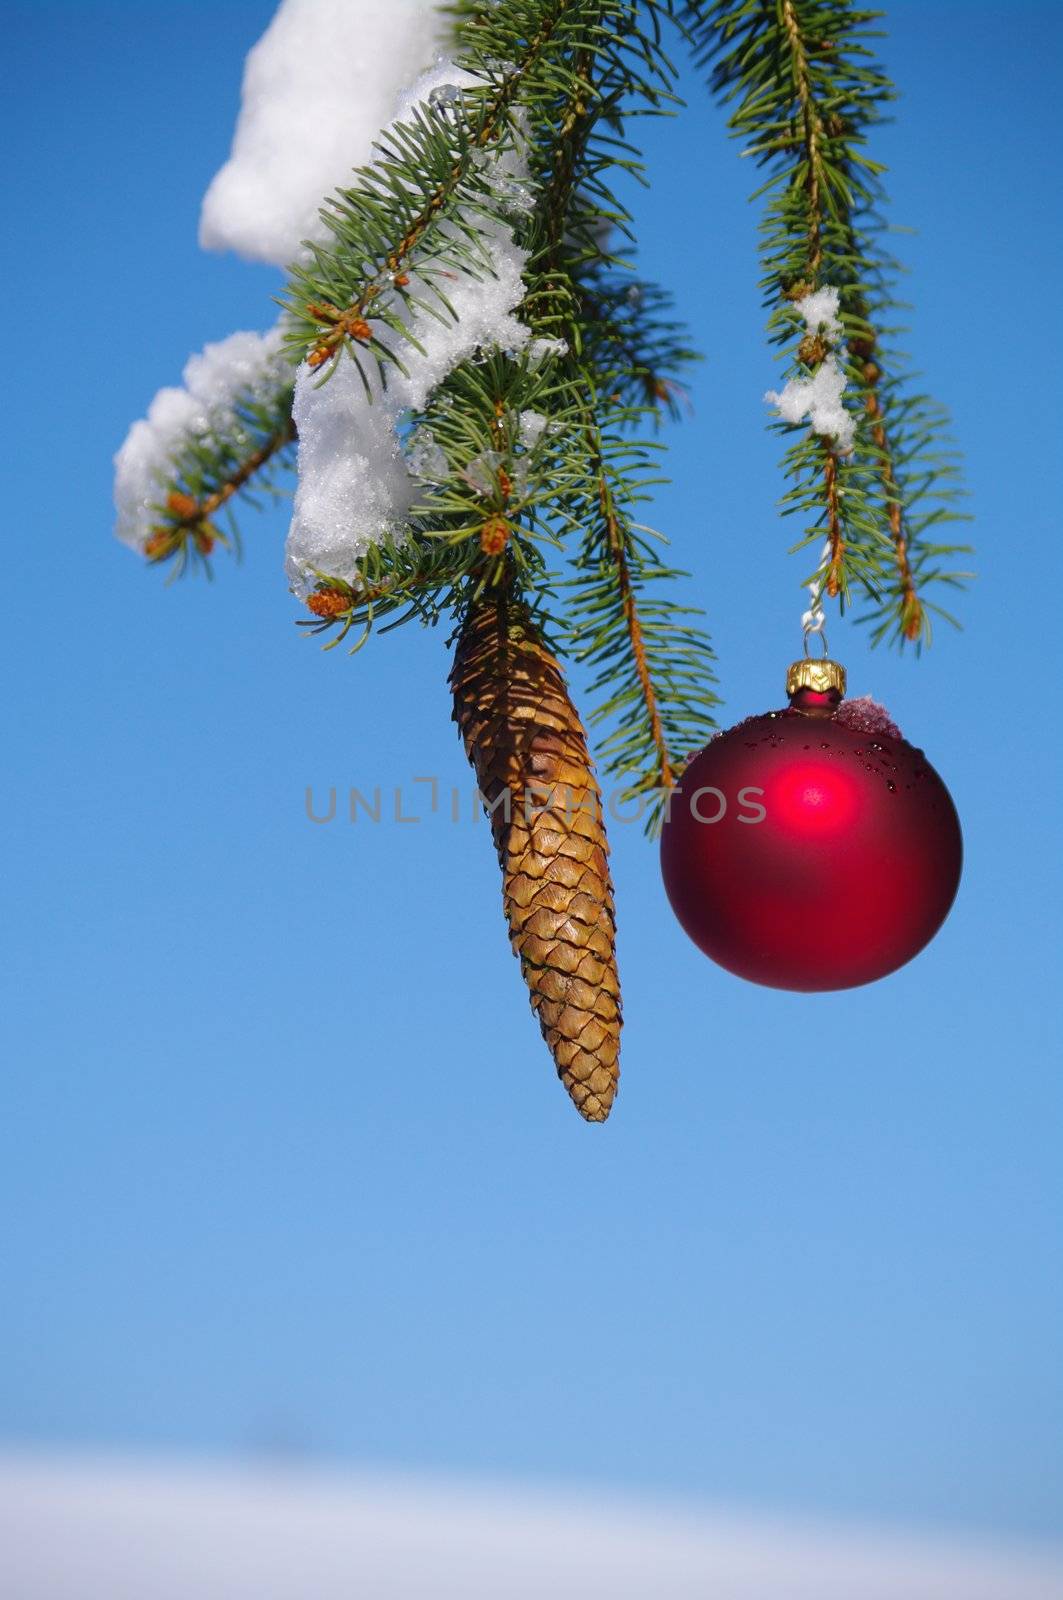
{"points": [[821, 676]]}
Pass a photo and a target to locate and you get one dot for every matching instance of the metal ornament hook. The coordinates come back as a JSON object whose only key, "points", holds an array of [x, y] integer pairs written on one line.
{"points": [[821, 634]]}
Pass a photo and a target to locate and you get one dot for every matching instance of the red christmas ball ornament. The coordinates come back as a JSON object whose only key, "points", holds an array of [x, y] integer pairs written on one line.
{"points": [[812, 848]]}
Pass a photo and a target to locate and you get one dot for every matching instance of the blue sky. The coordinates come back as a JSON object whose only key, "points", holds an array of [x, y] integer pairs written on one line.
{"points": [[282, 1159]]}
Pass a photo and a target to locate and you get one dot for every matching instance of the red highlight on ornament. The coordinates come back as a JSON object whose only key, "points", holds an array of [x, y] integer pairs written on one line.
{"points": [[852, 868], [814, 798]]}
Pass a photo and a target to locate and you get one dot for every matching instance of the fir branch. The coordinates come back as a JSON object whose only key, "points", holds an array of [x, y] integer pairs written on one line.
{"points": [[911, 605], [835, 536], [628, 330], [495, 505], [197, 485], [398, 579], [487, 512], [806, 91], [812, 134], [654, 677], [655, 666], [501, 499], [212, 470], [425, 174], [623, 554], [237, 478]]}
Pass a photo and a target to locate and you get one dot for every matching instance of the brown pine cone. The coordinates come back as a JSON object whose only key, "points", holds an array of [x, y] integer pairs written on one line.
{"points": [[526, 743]]}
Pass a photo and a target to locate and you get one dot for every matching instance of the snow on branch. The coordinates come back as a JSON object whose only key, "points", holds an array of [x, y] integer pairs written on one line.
{"points": [[819, 397], [355, 484], [219, 382], [318, 87]]}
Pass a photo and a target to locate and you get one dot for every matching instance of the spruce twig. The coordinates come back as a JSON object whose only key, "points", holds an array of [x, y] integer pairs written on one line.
{"points": [[629, 356], [212, 470], [386, 219], [806, 91]]}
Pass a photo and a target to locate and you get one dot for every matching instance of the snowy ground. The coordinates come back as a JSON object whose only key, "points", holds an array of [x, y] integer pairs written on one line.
{"points": [[106, 1530]]}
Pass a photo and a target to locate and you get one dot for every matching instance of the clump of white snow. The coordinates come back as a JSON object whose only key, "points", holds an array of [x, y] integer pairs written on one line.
{"points": [[318, 87], [216, 381], [820, 310], [354, 481], [354, 484], [819, 398]]}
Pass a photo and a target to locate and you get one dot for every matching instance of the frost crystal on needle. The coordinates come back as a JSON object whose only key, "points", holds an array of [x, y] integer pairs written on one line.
{"points": [[531, 428]]}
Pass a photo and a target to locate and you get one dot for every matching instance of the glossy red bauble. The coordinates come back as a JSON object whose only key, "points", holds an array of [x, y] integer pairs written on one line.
{"points": [[805, 852]]}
